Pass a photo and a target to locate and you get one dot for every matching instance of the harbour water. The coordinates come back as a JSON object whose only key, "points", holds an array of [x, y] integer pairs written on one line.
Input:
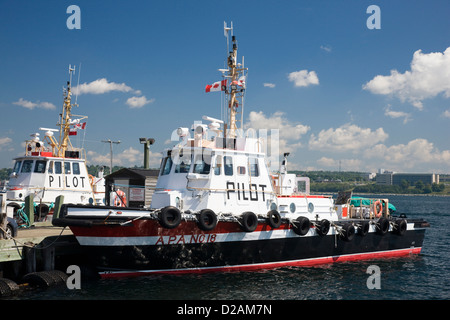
{"points": [[419, 277]]}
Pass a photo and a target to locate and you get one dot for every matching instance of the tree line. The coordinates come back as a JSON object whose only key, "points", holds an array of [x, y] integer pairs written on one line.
{"points": [[418, 188]]}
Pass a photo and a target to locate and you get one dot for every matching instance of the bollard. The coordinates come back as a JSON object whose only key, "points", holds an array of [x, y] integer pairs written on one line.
{"points": [[58, 203], [29, 254], [29, 208]]}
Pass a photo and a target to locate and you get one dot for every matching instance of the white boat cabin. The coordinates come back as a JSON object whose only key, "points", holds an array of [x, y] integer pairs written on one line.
{"points": [[49, 177], [231, 176]]}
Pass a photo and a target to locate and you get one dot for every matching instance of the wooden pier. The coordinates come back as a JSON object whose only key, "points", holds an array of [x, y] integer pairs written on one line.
{"points": [[39, 248]]}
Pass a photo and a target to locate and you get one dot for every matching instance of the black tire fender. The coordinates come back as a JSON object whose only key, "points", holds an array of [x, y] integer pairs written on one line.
{"points": [[301, 225], [249, 221], [348, 232], [400, 227], [382, 226], [169, 217], [7, 287], [206, 220], [273, 219], [323, 227], [363, 228]]}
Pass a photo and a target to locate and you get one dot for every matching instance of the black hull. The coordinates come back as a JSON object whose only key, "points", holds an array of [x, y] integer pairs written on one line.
{"points": [[247, 255]]}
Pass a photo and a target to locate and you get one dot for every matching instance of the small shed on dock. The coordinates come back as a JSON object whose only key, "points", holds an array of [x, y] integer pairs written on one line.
{"points": [[131, 187]]}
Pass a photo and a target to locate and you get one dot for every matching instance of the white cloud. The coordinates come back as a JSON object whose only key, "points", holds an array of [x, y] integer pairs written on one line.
{"points": [[397, 114], [4, 142], [286, 136], [303, 78], [138, 102], [31, 105], [326, 48], [269, 85], [288, 130], [101, 86], [415, 153], [429, 76], [348, 137], [446, 113]]}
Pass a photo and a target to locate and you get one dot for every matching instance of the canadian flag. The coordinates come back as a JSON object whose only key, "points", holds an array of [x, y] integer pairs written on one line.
{"points": [[216, 86], [80, 125], [76, 126]]}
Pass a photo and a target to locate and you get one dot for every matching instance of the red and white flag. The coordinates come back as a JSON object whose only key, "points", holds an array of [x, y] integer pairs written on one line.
{"points": [[216, 86], [80, 125], [76, 126]]}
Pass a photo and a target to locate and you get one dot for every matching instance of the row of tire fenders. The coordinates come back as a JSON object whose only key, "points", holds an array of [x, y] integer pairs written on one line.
{"points": [[170, 217]]}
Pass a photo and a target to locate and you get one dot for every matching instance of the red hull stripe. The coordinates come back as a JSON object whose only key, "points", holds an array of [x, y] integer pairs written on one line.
{"points": [[270, 265]]}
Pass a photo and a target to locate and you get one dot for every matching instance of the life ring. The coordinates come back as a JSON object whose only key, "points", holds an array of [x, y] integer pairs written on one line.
{"points": [[249, 221], [273, 219], [382, 226], [323, 227], [363, 228], [400, 227], [169, 217], [301, 226], [91, 179], [378, 212], [348, 231], [206, 220], [120, 199]]}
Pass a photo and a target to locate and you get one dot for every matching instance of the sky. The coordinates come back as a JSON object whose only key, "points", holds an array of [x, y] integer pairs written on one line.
{"points": [[350, 86]]}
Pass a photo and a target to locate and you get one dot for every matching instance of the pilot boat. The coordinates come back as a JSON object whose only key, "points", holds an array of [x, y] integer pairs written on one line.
{"points": [[53, 167], [219, 206]]}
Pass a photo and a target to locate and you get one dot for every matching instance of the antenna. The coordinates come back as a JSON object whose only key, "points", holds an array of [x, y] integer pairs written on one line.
{"points": [[70, 72], [225, 33], [78, 85]]}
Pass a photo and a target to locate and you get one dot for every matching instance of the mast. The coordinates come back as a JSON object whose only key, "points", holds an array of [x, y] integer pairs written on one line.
{"points": [[235, 91], [66, 119]]}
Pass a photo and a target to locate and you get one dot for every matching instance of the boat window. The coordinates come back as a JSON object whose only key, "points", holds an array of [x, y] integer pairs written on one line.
{"points": [[58, 168], [228, 167], [76, 168], [201, 166], [167, 165], [17, 166], [218, 165], [50, 167], [67, 168], [253, 167], [184, 164], [40, 166], [241, 170], [27, 166]]}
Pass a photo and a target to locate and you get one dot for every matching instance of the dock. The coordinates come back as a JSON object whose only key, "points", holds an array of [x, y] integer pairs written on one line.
{"points": [[38, 249]]}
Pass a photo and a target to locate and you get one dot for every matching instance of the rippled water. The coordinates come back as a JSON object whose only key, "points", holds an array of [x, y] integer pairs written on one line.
{"points": [[424, 276]]}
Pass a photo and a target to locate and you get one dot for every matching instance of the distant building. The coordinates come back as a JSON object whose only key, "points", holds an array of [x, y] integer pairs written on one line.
{"points": [[444, 178], [412, 178], [368, 175], [384, 178], [391, 178]]}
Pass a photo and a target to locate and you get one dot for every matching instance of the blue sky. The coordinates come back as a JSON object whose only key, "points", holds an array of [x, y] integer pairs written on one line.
{"points": [[337, 90]]}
